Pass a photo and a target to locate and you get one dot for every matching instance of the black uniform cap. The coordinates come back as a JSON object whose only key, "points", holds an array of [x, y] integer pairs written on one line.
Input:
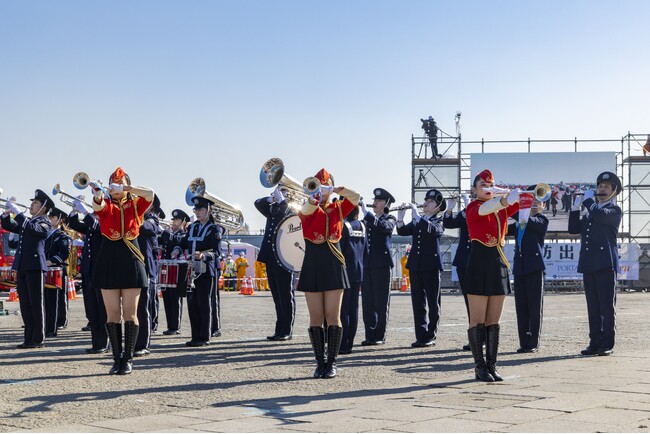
{"points": [[155, 207], [438, 197], [612, 178], [43, 198], [180, 214], [201, 202], [380, 193], [56, 212]]}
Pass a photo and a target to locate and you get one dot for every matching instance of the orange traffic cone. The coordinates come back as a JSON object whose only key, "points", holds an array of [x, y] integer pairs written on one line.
{"points": [[160, 293], [72, 292], [404, 287], [220, 282], [251, 290], [13, 294]]}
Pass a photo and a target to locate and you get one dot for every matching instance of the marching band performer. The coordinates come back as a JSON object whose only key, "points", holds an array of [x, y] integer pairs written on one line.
{"points": [[172, 300], [148, 243], [57, 250], [487, 276], [323, 276], [353, 246], [93, 300], [30, 264], [424, 265], [275, 208], [458, 221], [598, 262], [528, 269], [203, 241], [375, 297], [120, 271]]}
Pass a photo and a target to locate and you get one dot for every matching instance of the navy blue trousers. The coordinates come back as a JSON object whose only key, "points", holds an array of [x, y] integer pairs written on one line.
{"points": [[375, 299], [215, 303], [30, 292], [62, 305], [154, 305], [173, 308], [95, 312], [350, 315], [51, 306], [144, 316], [284, 298], [601, 307], [529, 305], [199, 307], [425, 293]]}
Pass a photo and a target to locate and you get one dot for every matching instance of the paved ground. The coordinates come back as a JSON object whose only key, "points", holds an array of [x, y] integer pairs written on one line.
{"points": [[244, 383]]}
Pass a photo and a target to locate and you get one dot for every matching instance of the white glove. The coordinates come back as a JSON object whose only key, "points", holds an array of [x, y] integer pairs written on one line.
{"points": [[116, 188], [77, 243], [451, 204], [278, 195], [326, 189], [11, 207], [400, 215], [513, 196], [465, 200], [577, 202], [79, 207], [364, 210], [97, 193], [589, 194], [414, 212]]}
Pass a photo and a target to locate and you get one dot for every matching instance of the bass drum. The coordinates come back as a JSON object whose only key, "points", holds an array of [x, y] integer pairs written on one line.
{"points": [[289, 243]]}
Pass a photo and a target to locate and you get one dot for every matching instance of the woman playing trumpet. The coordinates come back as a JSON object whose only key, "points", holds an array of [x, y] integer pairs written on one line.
{"points": [[323, 276], [487, 276], [120, 271]]}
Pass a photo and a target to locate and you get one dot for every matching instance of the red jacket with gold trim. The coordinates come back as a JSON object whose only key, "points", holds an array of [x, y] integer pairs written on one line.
{"points": [[490, 230]]}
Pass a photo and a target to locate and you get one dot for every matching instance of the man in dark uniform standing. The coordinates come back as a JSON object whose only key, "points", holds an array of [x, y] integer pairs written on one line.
{"points": [[173, 301], [375, 296], [598, 263], [450, 221], [528, 269], [424, 265], [57, 251], [148, 242], [30, 264], [215, 297], [353, 245], [275, 208], [93, 300]]}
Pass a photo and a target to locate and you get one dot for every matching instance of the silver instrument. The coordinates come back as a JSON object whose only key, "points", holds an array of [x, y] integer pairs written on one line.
{"points": [[272, 174], [68, 199], [4, 202], [542, 191], [225, 214]]}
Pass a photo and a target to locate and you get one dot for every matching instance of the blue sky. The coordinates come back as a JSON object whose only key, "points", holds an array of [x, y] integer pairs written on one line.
{"points": [[174, 90]]}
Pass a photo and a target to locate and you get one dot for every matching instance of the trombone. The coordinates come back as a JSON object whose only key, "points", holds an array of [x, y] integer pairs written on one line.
{"points": [[225, 214], [68, 199], [272, 174]]}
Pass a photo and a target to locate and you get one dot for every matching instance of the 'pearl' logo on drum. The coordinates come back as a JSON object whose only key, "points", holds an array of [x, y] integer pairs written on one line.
{"points": [[293, 228]]}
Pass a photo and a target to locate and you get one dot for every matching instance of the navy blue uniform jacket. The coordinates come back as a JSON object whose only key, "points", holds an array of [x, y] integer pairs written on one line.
{"points": [[57, 249], [529, 257], [30, 253], [598, 231], [148, 242], [353, 246], [425, 250], [464, 245], [274, 213], [89, 227], [380, 232]]}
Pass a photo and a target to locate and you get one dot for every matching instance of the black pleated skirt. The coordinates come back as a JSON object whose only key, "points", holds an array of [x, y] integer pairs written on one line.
{"points": [[118, 268], [321, 271], [487, 273]]}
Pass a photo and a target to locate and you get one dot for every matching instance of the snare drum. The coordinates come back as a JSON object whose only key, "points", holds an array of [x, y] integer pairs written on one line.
{"points": [[290, 243], [54, 278], [7, 276], [168, 272]]}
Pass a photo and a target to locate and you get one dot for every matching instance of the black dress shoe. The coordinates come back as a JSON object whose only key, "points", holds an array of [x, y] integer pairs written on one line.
{"points": [[61, 327], [283, 338], [466, 348], [589, 351], [422, 344], [197, 343], [96, 350], [216, 334], [378, 343], [345, 351], [366, 343], [29, 346], [527, 350], [171, 332], [271, 338], [85, 329], [605, 351], [141, 353], [50, 335]]}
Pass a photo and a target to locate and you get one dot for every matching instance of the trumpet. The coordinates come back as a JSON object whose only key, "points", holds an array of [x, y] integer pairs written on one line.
{"points": [[311, 185], [81, 180], [272, 174], [225, 214], [4, 202], [542, 191], [68, 199]]}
